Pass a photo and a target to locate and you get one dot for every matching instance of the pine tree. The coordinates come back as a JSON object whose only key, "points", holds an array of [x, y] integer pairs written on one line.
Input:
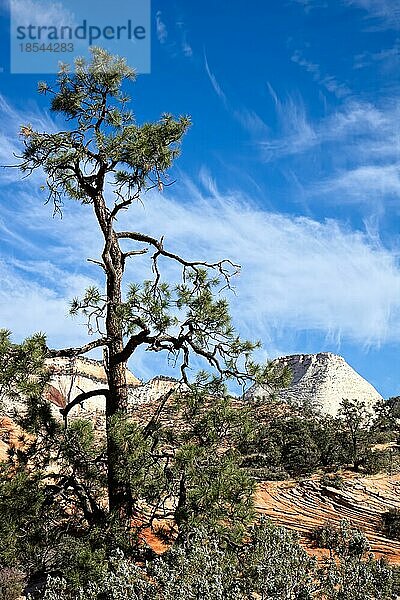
{"points": [[103, 149]]}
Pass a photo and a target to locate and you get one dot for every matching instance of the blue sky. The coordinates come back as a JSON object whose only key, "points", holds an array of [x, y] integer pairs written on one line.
{"points": [[292, 167]]}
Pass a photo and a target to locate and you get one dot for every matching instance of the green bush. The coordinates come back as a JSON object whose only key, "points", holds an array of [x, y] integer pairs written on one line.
{"points": [[391, 523], [376, 461], [332, 480], [11, 584]]}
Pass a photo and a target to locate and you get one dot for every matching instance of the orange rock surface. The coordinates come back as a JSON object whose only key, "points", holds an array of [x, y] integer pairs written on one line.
{"points": [[303, 506], [11, 436]]}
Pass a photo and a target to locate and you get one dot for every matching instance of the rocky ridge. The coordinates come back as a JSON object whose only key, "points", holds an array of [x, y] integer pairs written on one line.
{"points": [[322, 379], [319, 381]]}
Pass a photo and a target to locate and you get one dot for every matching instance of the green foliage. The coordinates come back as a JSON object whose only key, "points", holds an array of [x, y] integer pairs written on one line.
{"points": [[276, 567], [201, 568], [22, 373], [192, 473], [11, 584], [377, 461], [357, 421], [54, 516], [332, 480], [105, 133], [26, 522], [294, 446], [270, 565], [194, 468], [351, 573], [388, 415], [391, 523]]}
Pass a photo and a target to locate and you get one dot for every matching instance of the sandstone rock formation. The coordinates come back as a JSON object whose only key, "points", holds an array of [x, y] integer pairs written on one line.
{"points": [[72, 376], [305, 505], [11, 437], [320, 381], [152, 390]]}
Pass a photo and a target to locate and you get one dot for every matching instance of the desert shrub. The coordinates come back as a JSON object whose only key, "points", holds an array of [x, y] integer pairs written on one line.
{"points": [[376, 461], [351, 572], [391, 523], [202, 567], [11, 583], [123, 581], [332, 480], [270, 565], [276, 567]]}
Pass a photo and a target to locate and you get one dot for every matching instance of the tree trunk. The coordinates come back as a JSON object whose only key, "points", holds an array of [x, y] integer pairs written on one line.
{"points": [[117, 401]]}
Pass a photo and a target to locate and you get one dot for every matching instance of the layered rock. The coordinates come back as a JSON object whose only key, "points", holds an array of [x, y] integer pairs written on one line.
{"points": [[152, 390], [320, 381], [72, 376], [304, 506]]}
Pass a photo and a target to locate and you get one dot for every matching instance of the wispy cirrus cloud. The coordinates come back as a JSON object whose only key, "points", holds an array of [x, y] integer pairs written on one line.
{"points": [[247, 118], [360, 140], [328, 82], [173, 36], [354, 123], [28, 304], [387, 58], [214, 82], [369, 183], [308, 5], [161, 28], [381, 13], [10, 145], [39, 12], [297, 274]]}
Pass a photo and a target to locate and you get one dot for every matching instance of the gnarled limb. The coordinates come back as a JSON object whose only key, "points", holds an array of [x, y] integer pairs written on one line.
{"points": [[81, 398], [71, 352], [225, 267]]}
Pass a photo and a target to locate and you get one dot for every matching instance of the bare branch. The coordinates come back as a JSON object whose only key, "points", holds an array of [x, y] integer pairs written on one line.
{"points": [[225, 267], [134, 341], [151, 425], [81, 398], [97, 262], [71, 352], [135, 252]]}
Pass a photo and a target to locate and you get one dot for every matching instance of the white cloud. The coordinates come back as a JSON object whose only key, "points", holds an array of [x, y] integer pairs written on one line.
{"points": [[366, 183], [388, 58], [214, 82], [162, 32], [386, 12], [10, 142], [186, 47], [308, 5], [28, 306], [249, 120], [297, 274], [329, 82], [357, 123], [174, 36], [297, 133], [39, 12], [359, 143]]}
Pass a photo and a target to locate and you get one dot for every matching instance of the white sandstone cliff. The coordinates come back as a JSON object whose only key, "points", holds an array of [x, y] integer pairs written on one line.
{"points": [[321, 381]]}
